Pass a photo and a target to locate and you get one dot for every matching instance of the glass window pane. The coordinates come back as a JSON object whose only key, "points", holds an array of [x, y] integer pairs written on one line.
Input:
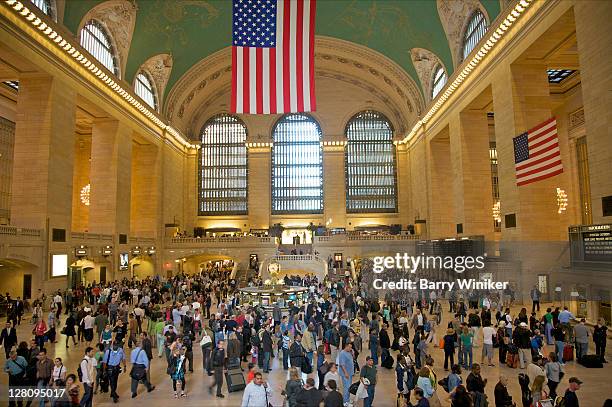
{"points": [[144, 89], [439, 81], [223, 167], [97, 42], [297, 166], [476, 29], [370, 164]]}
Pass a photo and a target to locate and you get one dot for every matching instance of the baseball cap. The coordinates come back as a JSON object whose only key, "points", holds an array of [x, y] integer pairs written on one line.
{"points": [[575, 380]]}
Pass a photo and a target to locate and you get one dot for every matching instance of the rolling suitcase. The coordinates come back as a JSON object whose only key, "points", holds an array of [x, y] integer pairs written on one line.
{"points": [[235, 380], [512, 360], [568, 352], [591, 361]]}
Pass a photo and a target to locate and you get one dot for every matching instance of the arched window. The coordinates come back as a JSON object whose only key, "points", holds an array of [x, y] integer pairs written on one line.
{"points": [[223, 167], [297, 166], [439, 80], [44, 6], [145, 90], [476, 29], [95, 40], [370, 164]]}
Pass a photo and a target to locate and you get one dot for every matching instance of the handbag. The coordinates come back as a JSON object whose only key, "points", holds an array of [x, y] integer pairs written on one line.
{"points": [[306, 365]]}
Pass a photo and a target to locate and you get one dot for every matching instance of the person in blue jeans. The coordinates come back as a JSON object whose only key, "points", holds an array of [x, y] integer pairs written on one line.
{"points": [[466, 339], [374, 346], [559, 336], [368, 378], [346, 368]]}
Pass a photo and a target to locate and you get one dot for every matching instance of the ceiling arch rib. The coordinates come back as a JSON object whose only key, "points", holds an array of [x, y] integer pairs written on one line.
{"points": [[425, 62], [119, 18], [454, 16], [159, 68], [337, 59]]}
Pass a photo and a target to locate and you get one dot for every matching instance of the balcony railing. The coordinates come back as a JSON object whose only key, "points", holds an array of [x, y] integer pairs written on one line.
{"points": [[15, 231], [91, 236], [228, 239], [358, 238]]}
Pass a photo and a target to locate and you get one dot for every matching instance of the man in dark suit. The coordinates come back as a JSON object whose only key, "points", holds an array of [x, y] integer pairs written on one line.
{"points": [[18, 309], [8, 338]]}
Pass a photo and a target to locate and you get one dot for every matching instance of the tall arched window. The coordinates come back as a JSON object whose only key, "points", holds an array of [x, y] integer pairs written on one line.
{"points": [[44, 6], [476, 29], [370, 164], [144, 88], [96, 40], [223, 167], [439, 80], [297, 167]]}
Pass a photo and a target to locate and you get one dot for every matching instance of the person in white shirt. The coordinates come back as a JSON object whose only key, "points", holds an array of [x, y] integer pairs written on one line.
{"points": [[88, 325], [332, 374], [257, 393], [88, 365], [57, 303], [487, 340]]}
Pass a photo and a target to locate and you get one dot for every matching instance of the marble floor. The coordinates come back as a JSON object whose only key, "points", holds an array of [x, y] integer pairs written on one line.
{"points": [[595, 389]]}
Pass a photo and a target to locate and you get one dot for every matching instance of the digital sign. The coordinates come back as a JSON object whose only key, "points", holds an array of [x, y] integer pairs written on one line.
{"points": [[59, 265]]}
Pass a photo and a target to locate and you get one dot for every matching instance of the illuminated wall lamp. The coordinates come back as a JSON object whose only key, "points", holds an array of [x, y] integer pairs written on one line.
{"points": [[561, 201]]}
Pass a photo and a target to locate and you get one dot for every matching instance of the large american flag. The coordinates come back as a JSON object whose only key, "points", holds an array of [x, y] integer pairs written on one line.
{"points": [[536, 153], [273, 56]]}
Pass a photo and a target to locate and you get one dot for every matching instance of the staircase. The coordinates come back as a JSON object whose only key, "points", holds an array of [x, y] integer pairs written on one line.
{"points": [[307, 263]]}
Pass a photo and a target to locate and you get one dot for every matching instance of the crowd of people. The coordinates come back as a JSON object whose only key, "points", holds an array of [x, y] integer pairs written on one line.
{"points": [[318, 343]]}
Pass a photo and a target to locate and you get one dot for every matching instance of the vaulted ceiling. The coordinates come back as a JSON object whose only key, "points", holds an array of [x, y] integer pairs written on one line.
{"points": [[191, 30]]}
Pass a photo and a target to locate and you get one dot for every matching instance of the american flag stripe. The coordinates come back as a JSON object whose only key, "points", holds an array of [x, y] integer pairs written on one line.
{"points": [[537, 154], [275, 76]]}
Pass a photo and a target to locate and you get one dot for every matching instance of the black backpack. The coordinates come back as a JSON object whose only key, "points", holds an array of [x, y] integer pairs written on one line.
{"points": [[80, 371]]}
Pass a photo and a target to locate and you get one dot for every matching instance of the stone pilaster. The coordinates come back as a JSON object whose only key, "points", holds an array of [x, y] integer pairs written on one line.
{"points": [[145, 194], [403, 184], [43, 154], [521, 101], [441, 219], [334, 186], [594, 45], [111, 157], [259, 187], [469, 143], [80, 178]]}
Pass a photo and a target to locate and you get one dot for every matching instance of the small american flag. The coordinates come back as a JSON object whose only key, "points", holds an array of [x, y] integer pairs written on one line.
{"points": [[273, 56], [536, 153]]}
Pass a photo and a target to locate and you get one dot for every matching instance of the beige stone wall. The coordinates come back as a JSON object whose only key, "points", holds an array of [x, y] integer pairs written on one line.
{"points": [[334, 187], [111, 156], [441, 216], [43, 154], [471, 166], [173, 192], [418, 186], [145, 192], [594, 45], [82, 164]]}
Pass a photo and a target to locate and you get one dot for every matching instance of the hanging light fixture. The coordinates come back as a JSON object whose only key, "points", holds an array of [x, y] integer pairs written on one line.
{"points": [[561, 200], [85, 194]]}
